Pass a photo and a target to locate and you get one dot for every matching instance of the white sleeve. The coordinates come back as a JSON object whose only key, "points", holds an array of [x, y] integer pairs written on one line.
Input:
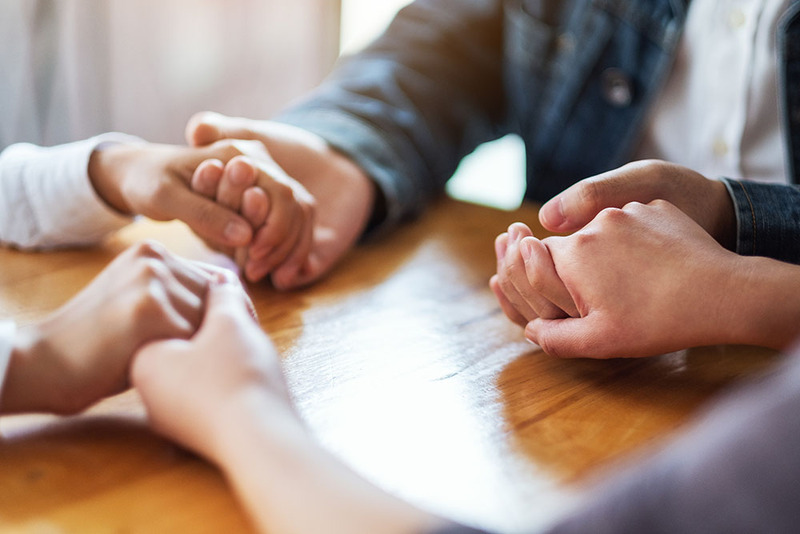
{"points": [[7, 331], [47, 199]]}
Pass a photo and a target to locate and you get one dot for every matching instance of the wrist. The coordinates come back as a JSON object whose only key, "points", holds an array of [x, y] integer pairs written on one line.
{"points": [[764, 310], [107, 167], [253, 411], [724, 224], [278, 470], [29, 385]]}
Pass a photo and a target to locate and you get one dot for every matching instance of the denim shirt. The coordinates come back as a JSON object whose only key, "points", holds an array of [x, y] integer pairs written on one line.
{"points": [[573, 78]]}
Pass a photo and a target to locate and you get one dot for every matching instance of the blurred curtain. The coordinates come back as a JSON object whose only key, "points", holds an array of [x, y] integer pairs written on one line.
{"points": [[74, 68]]}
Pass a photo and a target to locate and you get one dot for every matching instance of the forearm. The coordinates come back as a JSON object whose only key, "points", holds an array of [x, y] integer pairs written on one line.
{"points": [[291, 485], [763, 303], [410, 106]]}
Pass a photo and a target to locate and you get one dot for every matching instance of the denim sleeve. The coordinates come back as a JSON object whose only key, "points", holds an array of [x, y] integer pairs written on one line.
{"points": [[767, 219], [417, 100]]}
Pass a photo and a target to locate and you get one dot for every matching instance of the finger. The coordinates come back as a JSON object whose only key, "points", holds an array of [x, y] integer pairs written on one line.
{"points": [[220, 273], [500, 244], [240, 174], [505, 305], [208, 219], [225, 300], [206, 178], [509, 267], [565, 338], [289, 238], [186, 303], [255, 206], [207, 127], [163, 318], [575, 207], [187, 272], [543, 278], [510, 297], [286, 273], [517, 276]]}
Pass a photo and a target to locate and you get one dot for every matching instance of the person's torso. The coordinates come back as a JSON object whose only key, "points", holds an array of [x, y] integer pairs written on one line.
{"points": [[582, 79]]}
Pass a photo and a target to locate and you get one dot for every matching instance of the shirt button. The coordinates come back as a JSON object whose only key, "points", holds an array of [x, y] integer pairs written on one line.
{"points": [[736, 18], [565, 43], [720, 147], [617, 88]]}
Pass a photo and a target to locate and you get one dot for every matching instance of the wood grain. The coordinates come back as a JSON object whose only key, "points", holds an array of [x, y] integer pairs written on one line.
{"points": [[402, 364]]}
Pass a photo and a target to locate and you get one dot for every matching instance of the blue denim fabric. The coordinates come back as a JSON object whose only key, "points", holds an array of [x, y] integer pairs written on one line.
{"points": [[767, 219], [573, 78]]}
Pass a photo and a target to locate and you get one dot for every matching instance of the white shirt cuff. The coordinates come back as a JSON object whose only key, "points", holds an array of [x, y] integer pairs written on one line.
{"points": [[63, 203], [8, 330]]}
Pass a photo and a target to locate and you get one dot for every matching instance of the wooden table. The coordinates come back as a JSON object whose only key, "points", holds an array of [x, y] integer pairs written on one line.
{"points": [[402, 364]]}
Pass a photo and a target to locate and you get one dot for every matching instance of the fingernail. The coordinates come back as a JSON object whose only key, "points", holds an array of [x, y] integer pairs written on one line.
{"points": [[240, 174], [525, 249], [552, 213], [237, 233], [501, 246]]}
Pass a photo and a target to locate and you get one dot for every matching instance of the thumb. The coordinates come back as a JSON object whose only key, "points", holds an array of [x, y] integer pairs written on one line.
{"points": [[226, 301], [564, 338], [208, 219], [207, 127], [576, 206]]}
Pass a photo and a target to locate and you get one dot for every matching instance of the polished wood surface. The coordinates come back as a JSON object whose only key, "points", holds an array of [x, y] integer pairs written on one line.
{"points": [[402, 364]]}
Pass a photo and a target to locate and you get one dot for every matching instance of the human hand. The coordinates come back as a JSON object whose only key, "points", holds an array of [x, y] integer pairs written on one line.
{"points": [[527, 285], [706, 201], [279, 209], [154, 181], [192, 387], [646, 279], [344, 194], [222, 394], [81, 353]]}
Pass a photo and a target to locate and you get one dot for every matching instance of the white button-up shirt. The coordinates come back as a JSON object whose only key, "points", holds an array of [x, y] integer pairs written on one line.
{"points": [[718, 113]]}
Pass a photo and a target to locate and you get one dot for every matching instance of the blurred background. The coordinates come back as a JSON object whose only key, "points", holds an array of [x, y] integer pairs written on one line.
{"points": [[75, 68]]}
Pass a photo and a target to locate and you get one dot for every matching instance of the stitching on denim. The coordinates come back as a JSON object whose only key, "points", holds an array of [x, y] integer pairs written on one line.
{"points": [[752, 214]]}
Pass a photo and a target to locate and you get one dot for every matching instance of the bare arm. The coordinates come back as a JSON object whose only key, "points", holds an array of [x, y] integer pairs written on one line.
{"points": [[222, 394]]}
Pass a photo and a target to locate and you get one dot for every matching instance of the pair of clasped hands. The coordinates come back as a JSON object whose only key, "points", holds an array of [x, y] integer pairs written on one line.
{"points": [[229, 188], [647, 269]]}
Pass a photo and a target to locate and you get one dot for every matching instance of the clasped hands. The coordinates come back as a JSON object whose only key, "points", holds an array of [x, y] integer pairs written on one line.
{"points": [[247, 188], [645, 271]]}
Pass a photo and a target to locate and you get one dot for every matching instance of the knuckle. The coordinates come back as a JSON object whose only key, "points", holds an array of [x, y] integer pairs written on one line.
{"points": [[145, 308], [148, 248], [660, 204], [537, 280], [581, 240], [226, 149], [589, 193], [161, 192], [149, 269], [655, 170], [611, 215]]}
